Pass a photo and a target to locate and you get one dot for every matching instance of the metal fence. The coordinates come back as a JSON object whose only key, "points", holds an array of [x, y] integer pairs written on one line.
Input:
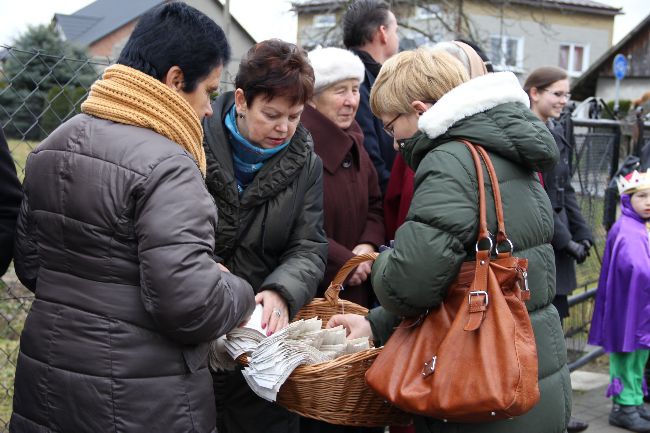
{"points": [[601, 146], [39, 91]]}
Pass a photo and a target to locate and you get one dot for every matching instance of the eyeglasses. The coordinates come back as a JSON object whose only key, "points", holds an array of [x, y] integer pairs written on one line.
{"points": [[389, 126], [559, 94]]}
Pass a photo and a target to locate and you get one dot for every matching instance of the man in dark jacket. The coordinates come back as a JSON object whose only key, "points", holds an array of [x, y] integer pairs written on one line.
{"points": [[10, 197], [370, 31]]}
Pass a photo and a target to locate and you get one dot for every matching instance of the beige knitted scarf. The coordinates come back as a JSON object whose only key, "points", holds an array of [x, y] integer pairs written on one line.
{"points": [[126, 95]]}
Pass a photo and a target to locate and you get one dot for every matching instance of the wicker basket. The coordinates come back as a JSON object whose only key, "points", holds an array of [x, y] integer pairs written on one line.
{"points": [[336, 391]]}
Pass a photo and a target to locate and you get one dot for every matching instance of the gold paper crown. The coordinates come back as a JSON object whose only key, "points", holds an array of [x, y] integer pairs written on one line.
{"points": [[633, 182]]}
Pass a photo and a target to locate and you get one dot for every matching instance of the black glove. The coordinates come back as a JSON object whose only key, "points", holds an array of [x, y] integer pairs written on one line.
{"points": [[587, 244], [577, 251], [390, 246]]}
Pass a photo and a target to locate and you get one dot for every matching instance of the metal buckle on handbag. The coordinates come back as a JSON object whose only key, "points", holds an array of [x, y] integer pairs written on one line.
{"points": [[429, 367], [477, 293]]}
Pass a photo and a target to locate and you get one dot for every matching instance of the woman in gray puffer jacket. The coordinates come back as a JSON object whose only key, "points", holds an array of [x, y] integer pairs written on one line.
{"points": [[115, 237]]}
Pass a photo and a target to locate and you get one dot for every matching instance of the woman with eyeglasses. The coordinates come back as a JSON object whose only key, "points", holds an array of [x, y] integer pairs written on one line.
{"points": [[267, 182], [399, 190], [548, 90], [440, 229]]}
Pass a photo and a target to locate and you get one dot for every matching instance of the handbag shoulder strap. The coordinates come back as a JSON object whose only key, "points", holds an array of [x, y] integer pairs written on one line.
{"points": [[483, 232], [501, 227]]}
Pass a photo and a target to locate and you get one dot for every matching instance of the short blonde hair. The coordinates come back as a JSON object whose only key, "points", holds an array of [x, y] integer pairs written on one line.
{"points": [[415, 75]]}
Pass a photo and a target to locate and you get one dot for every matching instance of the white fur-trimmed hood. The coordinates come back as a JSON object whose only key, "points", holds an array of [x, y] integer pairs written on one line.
{"points": [[474, 96]]}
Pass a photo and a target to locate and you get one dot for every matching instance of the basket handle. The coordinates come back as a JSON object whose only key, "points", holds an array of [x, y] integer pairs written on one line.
{"points": [[332, 292]]}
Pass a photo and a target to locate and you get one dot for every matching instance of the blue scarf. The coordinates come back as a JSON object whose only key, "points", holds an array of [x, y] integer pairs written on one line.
{"points": [[247, 158]]}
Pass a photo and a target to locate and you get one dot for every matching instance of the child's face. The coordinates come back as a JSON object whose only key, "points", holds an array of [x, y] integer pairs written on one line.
{"points": [[640, 201]]}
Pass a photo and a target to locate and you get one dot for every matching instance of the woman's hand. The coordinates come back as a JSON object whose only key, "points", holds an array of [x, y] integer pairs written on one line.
{"points": [[363, 249], [276, 313], [223, 268], [355, 325], [362, 272]]}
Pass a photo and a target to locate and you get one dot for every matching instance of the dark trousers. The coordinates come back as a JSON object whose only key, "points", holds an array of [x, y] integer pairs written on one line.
{"points": [[239, 410], [314, 426]]}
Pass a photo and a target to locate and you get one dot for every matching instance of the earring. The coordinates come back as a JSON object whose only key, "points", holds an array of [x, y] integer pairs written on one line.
{"points": [[241, 116]]}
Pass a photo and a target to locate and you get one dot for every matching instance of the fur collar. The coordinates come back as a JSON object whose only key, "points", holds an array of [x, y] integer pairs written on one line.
{"points": [[474, 96]]}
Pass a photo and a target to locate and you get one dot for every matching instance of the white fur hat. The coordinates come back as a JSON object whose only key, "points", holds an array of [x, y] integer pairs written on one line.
{"points": [[332, 65]]}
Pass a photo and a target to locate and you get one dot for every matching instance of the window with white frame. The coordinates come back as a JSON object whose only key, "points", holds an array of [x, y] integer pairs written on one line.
{"points": [[507, 53], [324, 20], [574, 58]]}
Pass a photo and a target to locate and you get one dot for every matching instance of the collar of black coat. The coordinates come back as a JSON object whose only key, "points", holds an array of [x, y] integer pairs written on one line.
{"points": [[474, 96], [368, 61], [277, 173], [332, 143]]}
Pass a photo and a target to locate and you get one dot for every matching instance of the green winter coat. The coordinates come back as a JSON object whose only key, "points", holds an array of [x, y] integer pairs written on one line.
{"points": [[440, 230]]}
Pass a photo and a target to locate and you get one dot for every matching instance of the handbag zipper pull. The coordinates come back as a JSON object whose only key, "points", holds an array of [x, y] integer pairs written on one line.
{"points": [[523, 278], [429, 367]]}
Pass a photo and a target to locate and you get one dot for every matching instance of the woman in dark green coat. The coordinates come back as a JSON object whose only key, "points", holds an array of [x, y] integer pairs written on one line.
{"points": [[428, 104]]}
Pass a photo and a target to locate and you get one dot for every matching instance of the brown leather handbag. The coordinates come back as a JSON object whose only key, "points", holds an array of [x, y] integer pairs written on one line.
{"points": [[473, 358]]}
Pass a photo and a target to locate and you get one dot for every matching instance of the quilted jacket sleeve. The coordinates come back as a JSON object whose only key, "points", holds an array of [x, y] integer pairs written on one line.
{"points": [[429, 247], [303, 262], [382, 323], [189, 297], [25, 251]]}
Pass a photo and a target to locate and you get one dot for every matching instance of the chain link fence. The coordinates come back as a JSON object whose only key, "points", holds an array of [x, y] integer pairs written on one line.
{"points": [[39, 91]]}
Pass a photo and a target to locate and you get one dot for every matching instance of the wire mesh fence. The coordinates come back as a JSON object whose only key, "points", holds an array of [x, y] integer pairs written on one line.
{"points": [[39, 91], [600, 147]]}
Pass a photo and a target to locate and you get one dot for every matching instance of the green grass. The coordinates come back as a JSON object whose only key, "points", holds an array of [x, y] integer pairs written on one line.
{"points": [[592, 209], [19, 150], [8, 353], [587, 275], [15, 301]]}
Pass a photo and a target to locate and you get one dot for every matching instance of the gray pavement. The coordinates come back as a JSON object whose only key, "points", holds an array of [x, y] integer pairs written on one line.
{"points": [[590, 403]]}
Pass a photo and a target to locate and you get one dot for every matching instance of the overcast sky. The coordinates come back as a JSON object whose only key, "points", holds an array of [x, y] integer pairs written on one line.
{"points": [[271, 18]]}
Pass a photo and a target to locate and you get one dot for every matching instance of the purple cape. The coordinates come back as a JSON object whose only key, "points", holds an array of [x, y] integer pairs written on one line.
{"points": [[621, 319]]}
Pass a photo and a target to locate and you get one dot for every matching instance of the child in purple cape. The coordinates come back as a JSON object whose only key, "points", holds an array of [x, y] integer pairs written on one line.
{"points": [[621, 319]]}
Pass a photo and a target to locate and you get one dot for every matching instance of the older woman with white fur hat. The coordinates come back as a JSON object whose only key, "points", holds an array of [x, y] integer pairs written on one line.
{"points": [[352, 199]]}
